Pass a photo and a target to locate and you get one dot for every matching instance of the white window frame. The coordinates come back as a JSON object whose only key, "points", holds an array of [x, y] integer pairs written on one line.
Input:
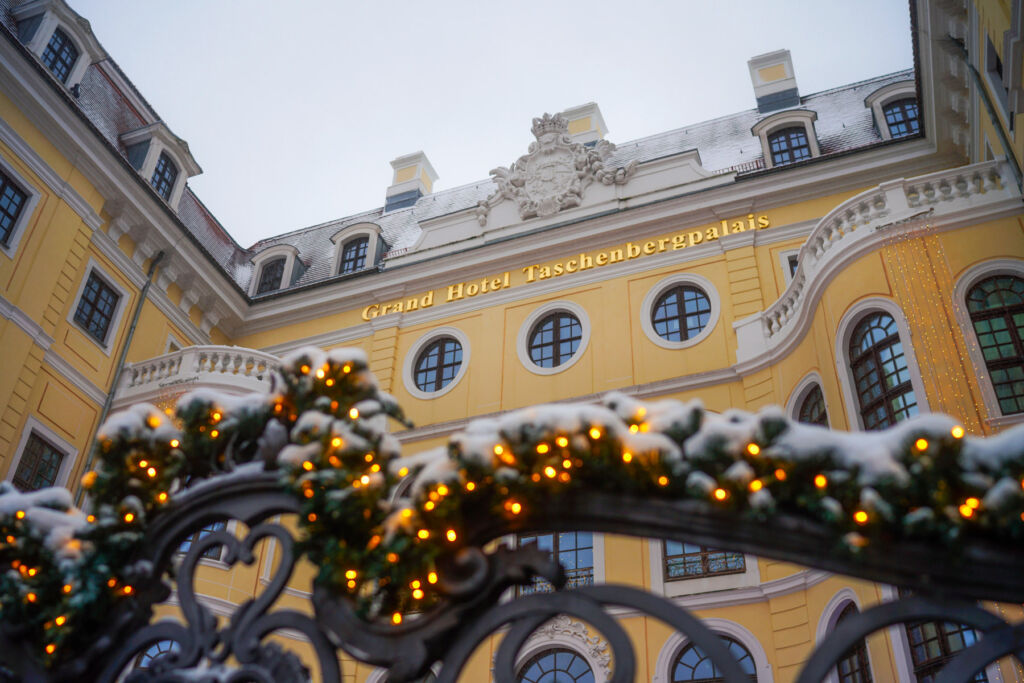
{"points": [[162, 141], [290, 253], [32, 424], [663, 285], [827, 624], [750, 576], [784, 257], [585, 641], [723, 627], [967, 280], [58, 15], [107, 345], [32, 196], [346, 235], [523, 338], [879, 99], [844, 331], [409, 364], [790, 118], [801, 390]]}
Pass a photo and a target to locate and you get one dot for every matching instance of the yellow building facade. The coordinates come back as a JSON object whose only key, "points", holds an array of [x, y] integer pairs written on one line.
{"points": [[769, 257]]}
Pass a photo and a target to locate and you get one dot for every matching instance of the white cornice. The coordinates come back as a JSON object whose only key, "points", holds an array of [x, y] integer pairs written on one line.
{"points": [[25, 322], [73, 375]]}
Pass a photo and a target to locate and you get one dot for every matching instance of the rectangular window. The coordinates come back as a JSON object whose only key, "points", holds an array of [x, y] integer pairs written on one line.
{"points": [[164, 176], [574, 550], [40, 462], [12, 203], [689, 561], [96, 307], [792, 261], [211, 553], [60, 55]]}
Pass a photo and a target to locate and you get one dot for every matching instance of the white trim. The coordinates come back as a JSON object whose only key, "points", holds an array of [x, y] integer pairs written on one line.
{"points": [[655, 292], [68, 451], [784, 257], [161, 140], [175, 342], [878, 100], [678, 641], [968, 279], [32, 196], [827, 623], [107, 343], [25, 323], [351, 232], [571, 635], [675, 588], [56, 15], [800, 391], [409, 363], [523, 338], [789, 118], [844, 331], [75, 376], [290, 254]]}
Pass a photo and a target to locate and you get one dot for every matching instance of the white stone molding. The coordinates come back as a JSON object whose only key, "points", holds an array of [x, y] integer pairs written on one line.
{"points": [[8, 311], [663, 285], [412, 355], [290, 254], [878, 100], [113, 329], [565, 632], [162, 141], [789, 118], [675, 588], [374, 244], [32, 195], [75, 377], [801, 390], [523, 338], [57, 14], [827, 623], [675, 644], [964, 283], [68, 451], [853, 315], [784, 257]]}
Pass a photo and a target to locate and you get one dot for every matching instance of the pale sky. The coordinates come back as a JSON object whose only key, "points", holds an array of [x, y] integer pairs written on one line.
{"points": [[294, 109]]}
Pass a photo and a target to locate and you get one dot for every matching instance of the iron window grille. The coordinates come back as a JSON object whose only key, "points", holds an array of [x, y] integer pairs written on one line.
{"points": [[789, 145], [96, 307], [438, 364], [556, 665], [880, 372], [40, 462], [353, 256], [693, 666], [574, 550], [12, 201], [902, 117], [691, 561], [271, 275], [996, 306], [60, 55], [164, 176], [681, 313], [555, 339], [854, 666], [812, 408]]}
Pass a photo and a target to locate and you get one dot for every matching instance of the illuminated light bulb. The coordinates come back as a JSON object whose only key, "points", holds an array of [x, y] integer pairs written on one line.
{"points": [[595, 433], [644, 427], [627, 456], [10, 539], [417, 594], [966, 510], [396, 618], [921, 444], [368, 457], [346, 368], [562, 442], [428, 506], [33, 571], [337, 442], [663, 480], [543, 448], [90, 518], [162, 496], [214, 434], [129, 517], [756, 485], [304, 369], [61, 620], [470, 486], [415, 583], [498, 450], [957, 432], [351, 574], [329, 382], [307, 465], [434, 496], [633, 429], [278, 407], [451, 535], [549, 472], [406, 513], [423, 533], [365, 479], [535, 477], [308, 493], [392, 558], [780, 474], [566, 464], [973, 503], [143, 464], [516, 508], [721, 494], [442, 490], [753, 448], [641, 412], [335, 462], [375, 468], [432, 577], [353, 413], [860, 517], [151, 472], [51, 648], [821, 481], [153, 421], [351, 583], [67, 588], [311, 516], [334, 405], [404, 471], [216, 417], [20, 514], [1022, 483], [31, 597], [175, 443], [563, 477], [111, 582], [320, 373]]}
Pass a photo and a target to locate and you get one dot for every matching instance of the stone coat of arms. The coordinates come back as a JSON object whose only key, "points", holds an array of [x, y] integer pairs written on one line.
{"points": [[554, 173]]}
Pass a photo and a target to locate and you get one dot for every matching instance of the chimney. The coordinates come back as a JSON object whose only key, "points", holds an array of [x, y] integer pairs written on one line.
{"points": [[414, 177], [774, 81], [586, 125]]}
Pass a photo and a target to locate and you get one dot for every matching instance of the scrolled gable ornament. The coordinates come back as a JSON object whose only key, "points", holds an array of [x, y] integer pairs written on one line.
{"points": [[554, 173]]}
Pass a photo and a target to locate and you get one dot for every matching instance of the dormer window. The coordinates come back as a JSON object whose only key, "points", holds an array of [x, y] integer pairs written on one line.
{"points": [[60, 55], [164, 176], [896, 111], [357, 247], [901, 117], [274, 269], [353, 255], [788, 146], [787, 137], [271, 275]]}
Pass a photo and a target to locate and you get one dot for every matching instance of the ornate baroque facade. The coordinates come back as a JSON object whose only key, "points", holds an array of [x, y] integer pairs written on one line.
{"points": [[855, 255]]}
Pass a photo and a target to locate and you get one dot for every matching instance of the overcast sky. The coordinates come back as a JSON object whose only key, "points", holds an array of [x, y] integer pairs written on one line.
{"points": [[294, 109]]}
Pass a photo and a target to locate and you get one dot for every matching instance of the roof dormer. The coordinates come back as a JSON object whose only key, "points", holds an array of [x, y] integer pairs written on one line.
{"points": [[162, 158], [414, 177], [61, 39]]}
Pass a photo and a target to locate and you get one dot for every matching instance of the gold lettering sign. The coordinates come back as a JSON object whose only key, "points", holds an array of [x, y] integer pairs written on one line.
{"points": [[535, 273]]}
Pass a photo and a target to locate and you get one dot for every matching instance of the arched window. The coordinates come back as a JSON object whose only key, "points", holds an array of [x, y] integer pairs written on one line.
{"points": [[353, 256], [812, 408], [996, 306], [901, 117], [164, 176], [681, 313], [854, 666], [557, 665], [438, 364], [789, 145], [60, 55], [157, 649], [692, 665], [554, 339], [880, 373], [271, 275]]}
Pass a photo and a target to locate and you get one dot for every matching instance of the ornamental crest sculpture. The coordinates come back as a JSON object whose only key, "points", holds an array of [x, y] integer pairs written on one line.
{"points": [[554, 173]]}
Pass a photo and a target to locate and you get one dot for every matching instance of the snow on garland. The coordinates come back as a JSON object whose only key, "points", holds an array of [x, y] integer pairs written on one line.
{"points": [[63, 570]]}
